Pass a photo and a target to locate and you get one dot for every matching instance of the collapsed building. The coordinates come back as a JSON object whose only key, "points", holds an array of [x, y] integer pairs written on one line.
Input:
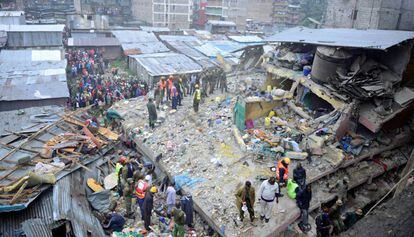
{"points": [[308, 108]]}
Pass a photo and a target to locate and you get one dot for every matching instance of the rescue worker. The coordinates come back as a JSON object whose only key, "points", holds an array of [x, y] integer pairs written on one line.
{"points": [[246, 196], [140, 190], [127, 171], [128, 191], [118, 171], [179, 221], [147, 206], [115, 223], [152, 113], [303, 198], [282, 171], [335, 216], [268, 192], [180, 90], [197, 98], [169, 86], [323, 223], [158, 95], [163, 87], [352, 217], [299, 175], [193, 80], [223, 83]]}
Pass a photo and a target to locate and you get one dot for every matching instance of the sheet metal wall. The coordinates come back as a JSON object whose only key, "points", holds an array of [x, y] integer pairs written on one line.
{"points": [[21, 104], [34, 39]]}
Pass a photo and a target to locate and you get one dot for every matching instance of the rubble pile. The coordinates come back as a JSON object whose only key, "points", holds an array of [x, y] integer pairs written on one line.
{"points": [[365, 79]]}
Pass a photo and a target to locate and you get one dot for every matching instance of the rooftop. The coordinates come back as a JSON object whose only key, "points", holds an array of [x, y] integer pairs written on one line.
{"points": [[162, 64], [372, 39], [32, 75]]}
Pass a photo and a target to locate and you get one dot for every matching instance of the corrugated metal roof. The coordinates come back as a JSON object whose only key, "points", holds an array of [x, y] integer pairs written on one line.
{"points": [[31, 120], [134, 36], [11, 13], [94, 41], [185, 38], [144, 48], [35, 28], [35, 143], [36, 228], [162, 64], [246, 38], [30, 75], [139, 42], [70, 203], [185, 45], [221, 23], [28, 55], [154, 29], [372, 39], [42, 208]]}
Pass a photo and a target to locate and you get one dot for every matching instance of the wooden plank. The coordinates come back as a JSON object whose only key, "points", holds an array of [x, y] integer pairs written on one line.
{"points": [[407, 169]]}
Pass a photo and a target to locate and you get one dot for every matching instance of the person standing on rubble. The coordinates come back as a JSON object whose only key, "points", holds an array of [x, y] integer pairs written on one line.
{"points": [[174, 95], [223, 81], [282, 171], [335, 216], [303, 198], [147, 206], [128, 191], [140, 191], [180, 90], [158, 95], [268, 192], [171, 195], [323, 223], [118, 171], [152, 113], [245, 197], [179, 221], [163, 86], [169, 86], [193, 80], [196, 99], [299, 176]]}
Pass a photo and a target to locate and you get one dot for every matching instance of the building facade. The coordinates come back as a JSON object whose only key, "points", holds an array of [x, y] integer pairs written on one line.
{"points": [[286, 13], [370, 14], [174, 14]]}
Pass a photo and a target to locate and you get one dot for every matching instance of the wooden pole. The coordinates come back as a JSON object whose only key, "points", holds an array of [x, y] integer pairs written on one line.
{"points": [[407, 169]]}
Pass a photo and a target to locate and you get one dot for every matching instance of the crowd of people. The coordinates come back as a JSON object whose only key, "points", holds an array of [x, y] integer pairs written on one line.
{"points": [[137, 180], [329, 222], [92, 83]]}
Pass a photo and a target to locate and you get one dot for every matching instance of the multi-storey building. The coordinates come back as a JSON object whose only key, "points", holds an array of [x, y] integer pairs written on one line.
{"points": [[286, 13], [174, 14], [370, 14]]}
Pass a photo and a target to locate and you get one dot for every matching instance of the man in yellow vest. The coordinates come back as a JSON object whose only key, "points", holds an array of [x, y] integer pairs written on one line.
{"points": [[118, 171], [197, 98]]}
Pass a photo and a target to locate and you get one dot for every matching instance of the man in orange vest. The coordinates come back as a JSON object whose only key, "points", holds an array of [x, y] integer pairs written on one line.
{"points": [[282, 171], [140, 189], [169, 86]]}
